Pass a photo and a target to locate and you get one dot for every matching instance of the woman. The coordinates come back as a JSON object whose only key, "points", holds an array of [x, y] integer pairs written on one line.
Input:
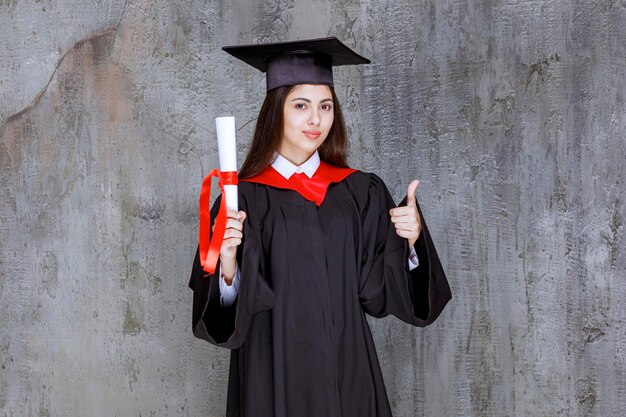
{"points": [[315, 247]]}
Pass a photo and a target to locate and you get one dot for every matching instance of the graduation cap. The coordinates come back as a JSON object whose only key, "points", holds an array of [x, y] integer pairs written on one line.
{"points": [[308, 61]]}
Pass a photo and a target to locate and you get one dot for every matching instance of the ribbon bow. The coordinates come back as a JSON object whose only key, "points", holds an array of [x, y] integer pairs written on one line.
{"points": [[210, 247]]}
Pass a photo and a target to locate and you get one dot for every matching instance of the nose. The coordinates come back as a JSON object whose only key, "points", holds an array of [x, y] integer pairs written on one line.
{"points": [[315, 118]]}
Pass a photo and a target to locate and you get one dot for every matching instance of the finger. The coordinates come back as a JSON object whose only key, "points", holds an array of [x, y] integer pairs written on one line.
{"points": [[242, 215], [230, 223], [410, 213], [405, 234], [409, 227], [410, 194], [230, 242], [234, 224], [402, 210], [232, 233], [232, 214], [405, 219]]}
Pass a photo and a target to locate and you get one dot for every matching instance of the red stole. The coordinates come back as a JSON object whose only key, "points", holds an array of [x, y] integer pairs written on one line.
{"points": [[312, 189]]}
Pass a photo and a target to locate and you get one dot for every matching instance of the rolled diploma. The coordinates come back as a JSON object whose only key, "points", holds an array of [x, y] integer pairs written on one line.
{"points": [[227, 150]]}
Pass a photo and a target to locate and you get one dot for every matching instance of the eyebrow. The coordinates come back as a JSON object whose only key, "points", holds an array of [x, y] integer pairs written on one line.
{"points": [[308, 101]]}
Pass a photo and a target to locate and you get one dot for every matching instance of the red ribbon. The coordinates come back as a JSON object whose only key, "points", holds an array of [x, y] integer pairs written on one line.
{"points": [[312, 189], [210, 247]]}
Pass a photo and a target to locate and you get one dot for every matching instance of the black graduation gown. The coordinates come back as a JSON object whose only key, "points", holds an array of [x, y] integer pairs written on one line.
{"points": [[301, 344]]}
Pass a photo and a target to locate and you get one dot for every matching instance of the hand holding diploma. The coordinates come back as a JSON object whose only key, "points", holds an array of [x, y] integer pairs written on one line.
{"points": [[228, 227], [232, 238]]}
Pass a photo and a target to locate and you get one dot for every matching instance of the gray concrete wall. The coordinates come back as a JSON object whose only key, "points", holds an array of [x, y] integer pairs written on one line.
{"points": [[511, 113]]}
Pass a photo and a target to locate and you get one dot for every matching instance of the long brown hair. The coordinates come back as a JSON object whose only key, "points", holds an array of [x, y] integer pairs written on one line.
{"points": [[269, 131]]}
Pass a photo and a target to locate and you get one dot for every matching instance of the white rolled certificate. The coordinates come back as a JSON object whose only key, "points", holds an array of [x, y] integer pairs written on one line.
{"points": [[227, 149]]}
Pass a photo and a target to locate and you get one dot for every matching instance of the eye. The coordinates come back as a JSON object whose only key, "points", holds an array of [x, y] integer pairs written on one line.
{"points": [[327, 107], [300, 106]]}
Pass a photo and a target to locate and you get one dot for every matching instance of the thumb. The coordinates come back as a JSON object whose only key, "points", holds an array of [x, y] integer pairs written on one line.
{"points": [[410, 194]]}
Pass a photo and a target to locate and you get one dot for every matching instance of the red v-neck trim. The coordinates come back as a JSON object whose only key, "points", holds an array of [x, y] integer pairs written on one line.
{"points": [[312, 189]]}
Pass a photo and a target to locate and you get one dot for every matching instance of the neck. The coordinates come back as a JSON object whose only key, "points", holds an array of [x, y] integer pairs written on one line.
{"points": [[297, 160]]}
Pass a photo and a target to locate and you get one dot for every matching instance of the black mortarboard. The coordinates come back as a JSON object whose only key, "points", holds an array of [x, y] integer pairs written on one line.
{"points": [[308, 61]]}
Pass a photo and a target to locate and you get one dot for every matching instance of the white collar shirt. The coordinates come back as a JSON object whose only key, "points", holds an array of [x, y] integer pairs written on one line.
{"points": [[287, 169]]}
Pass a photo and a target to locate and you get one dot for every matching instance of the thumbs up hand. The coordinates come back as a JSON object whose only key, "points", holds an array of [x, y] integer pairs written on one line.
{"points": [[407, 219]]}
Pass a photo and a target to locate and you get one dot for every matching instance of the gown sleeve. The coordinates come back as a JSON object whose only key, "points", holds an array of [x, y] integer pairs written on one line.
{"points": [[228, 326], [386, 286]]}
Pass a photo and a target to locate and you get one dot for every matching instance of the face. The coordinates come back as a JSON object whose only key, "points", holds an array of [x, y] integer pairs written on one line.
{"points": [[307, 118]]}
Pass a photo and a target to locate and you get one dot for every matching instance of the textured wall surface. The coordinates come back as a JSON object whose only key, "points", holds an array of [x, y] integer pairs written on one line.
{"points": [[511, 112]]}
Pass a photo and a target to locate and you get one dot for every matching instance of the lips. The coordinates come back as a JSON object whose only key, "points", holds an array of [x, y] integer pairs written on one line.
{"points": [[312, 134]]}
